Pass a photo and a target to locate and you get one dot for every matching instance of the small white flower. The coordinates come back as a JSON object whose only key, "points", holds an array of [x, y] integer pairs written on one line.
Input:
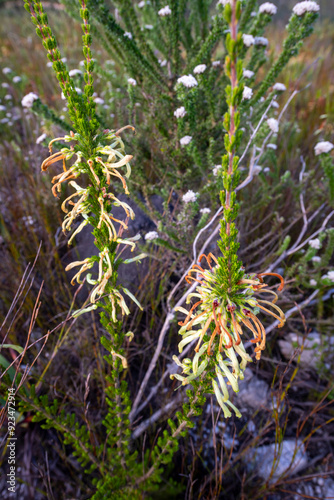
{"points": [[162, 63], [8, 97], [261, 40], [75, 72], [99, 100], [273, 124], [141, 4], [188, 81], [247, 93], [151, 235], [185, 140], [49, 64], [205, 210], [323, 147], [248, 73], [149, 26], [313, 283], [132, 81], [4, 120], [268, 8], [79, 91], [266, 170], [190, 197], [6, 71], [29, 99], [272, 146], [315, 243], [40, 138], [280, 87], [330, 275], [316, 258], [2, 108], [248, 40], [64, 59], [257, 169], [128, 34], [28, 221], [216, 169], [215, 64], [81, 63], [17, 79], [5, 85], [180, 112], [275, 104], [165, 11], [302, 7], [200, 69]]}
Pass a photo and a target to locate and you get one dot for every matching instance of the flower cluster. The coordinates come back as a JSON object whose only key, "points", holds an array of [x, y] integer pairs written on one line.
{"points": [[199, 69], [28, 100], [217, 320], [165, 11], [248, 40], [108, 161], [273, 125], [268, 8], [184, 141], [323, 147], [188, 81], [190, 197], [180, 112], [302, 8]]}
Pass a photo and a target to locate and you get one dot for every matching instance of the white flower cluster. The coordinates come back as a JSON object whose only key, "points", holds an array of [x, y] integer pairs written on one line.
{"points": [[180, 112], [151, 235], [323, 147], [17, 79], [185, 140], [205, 210], [279, 87], [128, 35], [329, 276], [268, 8], [200, 69], [74, 72], [247, 93], [215, 64], [29, 99], [302, 7], [132, 81], [190, 197], [6, 71], [273, 125], [315, 243], [98, 100], [141, 4], [216, 169], [248, 73], [248, 40], [188, 81], [261, 40], [165, 11]]}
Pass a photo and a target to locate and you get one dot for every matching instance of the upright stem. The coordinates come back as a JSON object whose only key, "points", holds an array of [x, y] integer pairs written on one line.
{"points": [[234, 82]]}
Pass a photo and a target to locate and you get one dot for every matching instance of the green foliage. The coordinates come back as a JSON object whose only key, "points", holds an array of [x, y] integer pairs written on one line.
{"points": [[184, 39]]}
